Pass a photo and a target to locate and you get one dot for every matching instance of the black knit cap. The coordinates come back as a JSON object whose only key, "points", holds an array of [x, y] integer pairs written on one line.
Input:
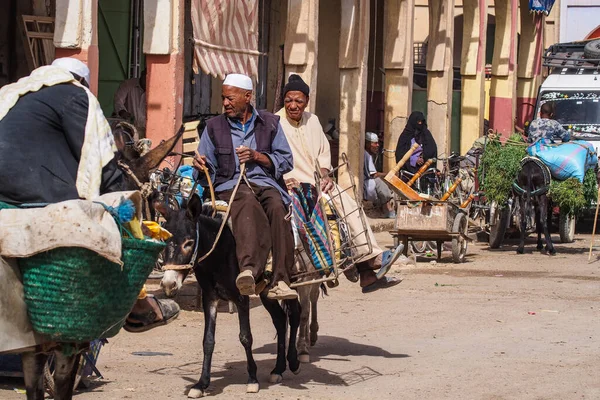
{"points": [[295, 83]]}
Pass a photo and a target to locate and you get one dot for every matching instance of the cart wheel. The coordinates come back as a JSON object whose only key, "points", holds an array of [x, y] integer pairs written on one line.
{"points": [[566, 227], [499, 221], [459, 243]]}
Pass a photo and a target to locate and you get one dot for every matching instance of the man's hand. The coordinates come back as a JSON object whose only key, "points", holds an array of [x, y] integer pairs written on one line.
{"points": [[291, 183], [420, 161], [246, 154], [125, 115], [199, 162], [326, 184]]}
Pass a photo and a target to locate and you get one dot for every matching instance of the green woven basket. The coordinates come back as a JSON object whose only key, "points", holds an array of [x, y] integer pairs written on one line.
{"points": [[75, 295]]}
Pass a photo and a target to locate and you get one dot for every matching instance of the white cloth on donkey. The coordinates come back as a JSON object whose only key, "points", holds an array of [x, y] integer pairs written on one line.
{"points": [[25, 232], [72, 223], [99, 144]]}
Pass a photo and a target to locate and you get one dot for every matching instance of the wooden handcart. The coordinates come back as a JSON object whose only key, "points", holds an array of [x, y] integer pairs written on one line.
{"points": [[422, 218], [438, 221]]}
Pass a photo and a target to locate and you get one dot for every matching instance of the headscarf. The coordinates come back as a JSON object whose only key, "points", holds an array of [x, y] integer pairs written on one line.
{"points": [[420, 133], [74, 66]]}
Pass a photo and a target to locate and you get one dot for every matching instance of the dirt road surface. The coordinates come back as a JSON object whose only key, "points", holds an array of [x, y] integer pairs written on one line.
{"points": [[500, 326]]}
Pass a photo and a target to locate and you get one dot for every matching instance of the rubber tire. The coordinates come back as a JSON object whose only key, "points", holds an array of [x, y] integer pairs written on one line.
{"points": [[498, 229], [566, 228], [421, 246], [459, 243], [592, 49]]}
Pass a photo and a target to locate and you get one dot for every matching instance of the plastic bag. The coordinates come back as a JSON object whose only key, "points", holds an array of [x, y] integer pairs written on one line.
{"points": [[567, 160]]}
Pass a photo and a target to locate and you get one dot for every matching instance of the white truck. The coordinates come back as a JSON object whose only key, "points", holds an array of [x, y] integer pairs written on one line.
{"points": [[573, 84]]}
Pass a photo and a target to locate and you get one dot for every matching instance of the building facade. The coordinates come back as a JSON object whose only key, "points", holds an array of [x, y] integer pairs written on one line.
{"points": [[369, 63]]}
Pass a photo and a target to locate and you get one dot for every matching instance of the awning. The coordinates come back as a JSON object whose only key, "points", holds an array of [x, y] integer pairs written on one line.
{"points": [[226, 36], [541, 6]]}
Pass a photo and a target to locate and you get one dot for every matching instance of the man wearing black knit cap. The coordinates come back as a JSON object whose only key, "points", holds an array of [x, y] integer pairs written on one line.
{"points": [[309, 145]]}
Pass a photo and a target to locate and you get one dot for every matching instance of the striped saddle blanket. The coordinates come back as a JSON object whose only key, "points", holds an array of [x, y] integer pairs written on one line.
{"points": [[311, 221]]}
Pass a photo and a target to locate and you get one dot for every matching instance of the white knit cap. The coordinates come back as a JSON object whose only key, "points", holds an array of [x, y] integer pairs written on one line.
{"points": [[371, 137], [238, 80], [74, 66]]}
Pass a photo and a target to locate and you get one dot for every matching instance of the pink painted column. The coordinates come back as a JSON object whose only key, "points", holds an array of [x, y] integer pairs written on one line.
{"points": [[164, 95], [472, 70], [504, 85], [165, 64], [529, 68]]}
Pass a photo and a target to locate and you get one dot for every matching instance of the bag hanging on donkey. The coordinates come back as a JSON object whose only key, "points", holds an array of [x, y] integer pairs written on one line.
{"points": [[567, 160]]}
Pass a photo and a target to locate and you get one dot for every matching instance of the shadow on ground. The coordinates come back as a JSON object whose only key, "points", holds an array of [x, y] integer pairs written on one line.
{"points": [[328, 348]]}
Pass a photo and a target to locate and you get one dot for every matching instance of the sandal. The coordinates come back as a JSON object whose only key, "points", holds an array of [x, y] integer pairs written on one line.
{"points": [[388, 259], [384, 283], [146, 321]]}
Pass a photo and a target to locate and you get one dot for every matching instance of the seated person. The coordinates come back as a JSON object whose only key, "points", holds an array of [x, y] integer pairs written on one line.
{"points": [[416, 132], [243, 135], [130, 101], [375, 189], [45, 161], [309, 145]]}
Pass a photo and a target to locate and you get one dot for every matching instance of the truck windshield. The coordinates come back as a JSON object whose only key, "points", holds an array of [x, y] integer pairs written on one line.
{"points": [[579, 110]]}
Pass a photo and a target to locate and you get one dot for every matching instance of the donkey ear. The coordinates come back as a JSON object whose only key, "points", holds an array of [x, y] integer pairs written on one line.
{"points": [[194, 206], [154, 157]]}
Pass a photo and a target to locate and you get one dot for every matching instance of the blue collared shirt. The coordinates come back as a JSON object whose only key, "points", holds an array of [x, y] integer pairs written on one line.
{"points": [[243, 135]]}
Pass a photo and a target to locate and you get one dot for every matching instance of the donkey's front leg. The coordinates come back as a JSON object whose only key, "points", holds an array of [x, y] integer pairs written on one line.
{"points": [[209, 304], [65, 372], [246, 340], [293, 307], [279, 321], [33, 372], [539, 228], [543, 202]]}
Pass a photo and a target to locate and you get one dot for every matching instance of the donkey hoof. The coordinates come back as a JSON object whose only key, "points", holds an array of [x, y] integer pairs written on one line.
{"points": [[304, 358], [252, 388], [275, 378], [520, 251], [296, 372], [195, 393]]}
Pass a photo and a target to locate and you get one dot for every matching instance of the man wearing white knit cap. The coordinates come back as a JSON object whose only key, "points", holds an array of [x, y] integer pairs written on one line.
{"points": [[243, 135], [375, 189]]}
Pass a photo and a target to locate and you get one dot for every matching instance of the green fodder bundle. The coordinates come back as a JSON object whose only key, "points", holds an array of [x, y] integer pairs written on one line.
{"points": [[499, 167], [573, 196]]}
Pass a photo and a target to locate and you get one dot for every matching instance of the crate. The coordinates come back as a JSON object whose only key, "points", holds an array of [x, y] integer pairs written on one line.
{"points": [[433, 218]]}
